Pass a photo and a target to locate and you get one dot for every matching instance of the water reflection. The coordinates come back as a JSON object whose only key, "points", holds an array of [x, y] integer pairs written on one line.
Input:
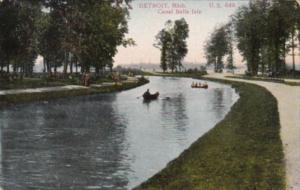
{"points": [[173, 112], [112, 141], [69, 155], [220, 99]]}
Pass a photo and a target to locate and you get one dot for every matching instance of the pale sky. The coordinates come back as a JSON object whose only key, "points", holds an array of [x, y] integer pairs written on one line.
{"points": [[147, 19]]}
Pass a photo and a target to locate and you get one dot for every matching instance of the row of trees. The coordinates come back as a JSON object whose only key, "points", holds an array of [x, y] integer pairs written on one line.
{"points": [[219, 45], [69, 33], [264, 32], [172, 43]]}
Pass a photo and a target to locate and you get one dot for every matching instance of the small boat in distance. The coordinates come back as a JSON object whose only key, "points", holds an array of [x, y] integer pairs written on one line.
{"points": [[148, 96], [196, 85]]}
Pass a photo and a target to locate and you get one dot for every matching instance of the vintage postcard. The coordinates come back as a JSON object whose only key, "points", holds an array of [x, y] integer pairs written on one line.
{"points": [[149, 94]]}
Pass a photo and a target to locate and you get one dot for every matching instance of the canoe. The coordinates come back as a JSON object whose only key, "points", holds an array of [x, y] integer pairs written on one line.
{"points": [[202, 86], [151, 96]]}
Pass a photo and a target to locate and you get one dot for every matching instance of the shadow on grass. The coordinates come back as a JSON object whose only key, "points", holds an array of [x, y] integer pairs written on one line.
{"points": [[244, 151]]}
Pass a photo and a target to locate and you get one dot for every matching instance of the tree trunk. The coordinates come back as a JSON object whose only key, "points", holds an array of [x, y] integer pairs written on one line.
{"points": [[263, 68], [15, 66], [66, 62], [22, 70], [293, 51], [81, 68], [276, 57], [7, 67], [76, 66], [87, 68], [215, 65], [284, 57], [71, 67], [44, 65], [48, 67], [97, 70]]}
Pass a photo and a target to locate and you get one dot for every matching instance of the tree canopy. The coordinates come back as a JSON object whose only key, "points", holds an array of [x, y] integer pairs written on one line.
{"points": [[85, 33], [171, 40], [265, 32]]}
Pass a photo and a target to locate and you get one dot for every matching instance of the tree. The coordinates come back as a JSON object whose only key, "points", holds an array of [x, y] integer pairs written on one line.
{"points": [[181, 33], [229, 38], [66, 32], [108, 27], [172, 43], [250, 29], [50, 40], [9, 42], [216, 48], [292, 14], [277, 37], [163, 42], [89, 32], [17, 30], [265, 32]]}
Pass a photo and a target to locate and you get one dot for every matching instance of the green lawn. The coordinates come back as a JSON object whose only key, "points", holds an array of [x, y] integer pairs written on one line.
{"points": [[8, 100], [276, 80], [30, 83], [44, 82], [243, 152]]}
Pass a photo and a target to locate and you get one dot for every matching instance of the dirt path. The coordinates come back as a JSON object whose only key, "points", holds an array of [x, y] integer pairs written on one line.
{"points": [[40, 90], [288, 98], [61, 88]]}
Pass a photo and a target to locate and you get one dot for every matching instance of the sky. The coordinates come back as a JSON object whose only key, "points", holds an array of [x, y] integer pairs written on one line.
{"points": [[147, 18]]}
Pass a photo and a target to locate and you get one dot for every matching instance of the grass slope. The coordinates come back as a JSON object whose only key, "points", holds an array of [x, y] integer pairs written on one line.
{"points": [[243, 152], [32, 83], [274, 80], [9, 100]]}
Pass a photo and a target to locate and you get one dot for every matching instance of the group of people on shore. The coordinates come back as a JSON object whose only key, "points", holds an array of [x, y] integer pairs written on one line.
{"points": [[199, 85]]}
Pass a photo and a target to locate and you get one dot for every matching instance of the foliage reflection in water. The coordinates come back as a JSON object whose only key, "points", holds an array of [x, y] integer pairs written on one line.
{"points": [[112, 141]]}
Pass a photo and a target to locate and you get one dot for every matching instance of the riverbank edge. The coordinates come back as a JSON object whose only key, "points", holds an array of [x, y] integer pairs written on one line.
{"points": [[176, 74], [273, 80], [14, 99], [243, 151]]}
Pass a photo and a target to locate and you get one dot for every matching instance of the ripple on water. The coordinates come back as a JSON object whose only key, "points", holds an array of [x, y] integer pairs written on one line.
{"points": [[108, 142]]}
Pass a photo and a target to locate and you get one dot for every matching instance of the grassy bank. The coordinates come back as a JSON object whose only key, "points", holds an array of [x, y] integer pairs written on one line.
{"points": [[274, 80], [244, 151], [8, 100], [46, 82], [31, 83]]}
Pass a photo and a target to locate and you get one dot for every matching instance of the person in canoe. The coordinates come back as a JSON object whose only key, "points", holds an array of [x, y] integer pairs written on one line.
{"points": [[196, 85], [147, 93], [148, 96], [199, 85], [205, 85], [193, 84]]}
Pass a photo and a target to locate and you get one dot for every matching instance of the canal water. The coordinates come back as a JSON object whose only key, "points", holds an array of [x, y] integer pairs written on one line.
{"points": [[106, 142]]}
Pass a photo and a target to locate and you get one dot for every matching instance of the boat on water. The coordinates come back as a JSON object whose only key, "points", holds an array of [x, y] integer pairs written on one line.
{"points": [[205, 86], [202, 86], [149, 96]]}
